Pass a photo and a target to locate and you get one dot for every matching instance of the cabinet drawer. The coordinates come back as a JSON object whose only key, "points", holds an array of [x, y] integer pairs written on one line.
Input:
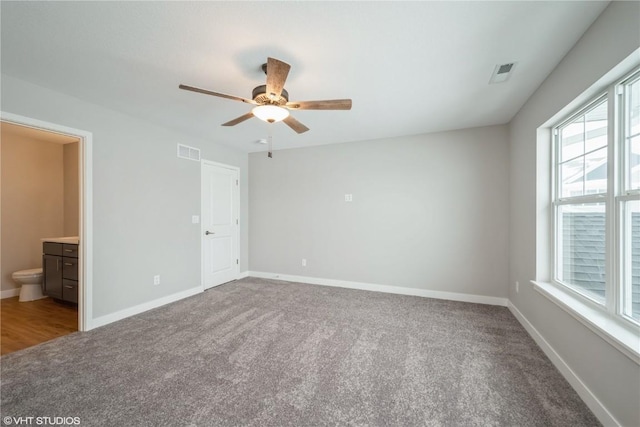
{"points": [[50, 248], [70, 250], [70, 268], [70, 290]]}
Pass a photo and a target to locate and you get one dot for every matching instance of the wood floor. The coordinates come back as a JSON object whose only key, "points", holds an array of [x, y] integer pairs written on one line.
{"points": [[25, 324]]}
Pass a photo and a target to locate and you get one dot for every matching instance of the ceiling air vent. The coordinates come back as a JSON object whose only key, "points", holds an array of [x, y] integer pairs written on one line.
{"points": [[501, 73], [189, 153]]}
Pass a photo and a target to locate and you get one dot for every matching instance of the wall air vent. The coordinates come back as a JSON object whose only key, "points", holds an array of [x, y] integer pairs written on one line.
{"points": [[189, 153], [501, 73]]}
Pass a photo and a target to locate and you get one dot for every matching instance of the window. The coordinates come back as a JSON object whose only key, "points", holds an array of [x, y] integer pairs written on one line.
{"points": [[596, 203], [627, 199]]}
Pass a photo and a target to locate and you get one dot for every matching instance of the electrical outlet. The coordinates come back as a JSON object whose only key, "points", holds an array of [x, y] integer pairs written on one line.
{"points": [[195, 219], [517, 287], [348, 197], [304, 262], [156, 279]]}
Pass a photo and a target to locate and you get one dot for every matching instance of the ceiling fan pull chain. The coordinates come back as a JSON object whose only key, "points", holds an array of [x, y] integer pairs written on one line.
{"points": [[270, 139]]}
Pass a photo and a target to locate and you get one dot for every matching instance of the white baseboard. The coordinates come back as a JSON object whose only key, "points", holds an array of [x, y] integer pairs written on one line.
{"points": [[598, 409], [132, 311], [453, 296], [9, 293], [243, 275]]}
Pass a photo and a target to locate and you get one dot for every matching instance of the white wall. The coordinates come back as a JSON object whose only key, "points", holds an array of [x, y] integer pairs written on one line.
{"points": [[143, 197], [428, 212], [613, 378]]}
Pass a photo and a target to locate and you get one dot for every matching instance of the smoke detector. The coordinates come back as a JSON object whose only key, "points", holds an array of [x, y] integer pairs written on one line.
{"points": [[502, 72]]}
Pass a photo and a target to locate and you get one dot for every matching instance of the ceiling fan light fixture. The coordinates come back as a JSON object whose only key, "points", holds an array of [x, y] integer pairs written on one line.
{"points": [[270, 113]]}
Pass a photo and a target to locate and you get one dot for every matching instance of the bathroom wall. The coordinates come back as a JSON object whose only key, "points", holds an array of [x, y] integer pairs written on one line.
{"points": [[32, 191], [71, 189]]}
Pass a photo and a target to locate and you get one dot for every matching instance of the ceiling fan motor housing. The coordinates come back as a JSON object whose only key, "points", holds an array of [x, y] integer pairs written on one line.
{"points": [[259, 95]]}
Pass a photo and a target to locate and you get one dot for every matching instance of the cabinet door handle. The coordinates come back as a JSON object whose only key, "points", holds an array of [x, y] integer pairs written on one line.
{"points": [[68, 250], [68, 286], [58, 264], [68, 263]]}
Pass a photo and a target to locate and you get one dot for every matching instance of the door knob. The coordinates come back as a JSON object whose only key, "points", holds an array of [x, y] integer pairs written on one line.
{"points": [[209, 232]]}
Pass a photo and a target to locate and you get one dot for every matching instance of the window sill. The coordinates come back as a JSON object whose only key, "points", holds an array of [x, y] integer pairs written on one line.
{"points": [[624, 338]]}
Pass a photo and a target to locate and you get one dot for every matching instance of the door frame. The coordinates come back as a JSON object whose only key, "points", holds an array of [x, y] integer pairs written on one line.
{"points": [[85, 232], [236, 206]]}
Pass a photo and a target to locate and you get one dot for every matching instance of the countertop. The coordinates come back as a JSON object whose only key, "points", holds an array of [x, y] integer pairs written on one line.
{"points": [[72, 240]]}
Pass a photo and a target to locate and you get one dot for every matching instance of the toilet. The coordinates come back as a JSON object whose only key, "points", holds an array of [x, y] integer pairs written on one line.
{"points": [[31, 281]]}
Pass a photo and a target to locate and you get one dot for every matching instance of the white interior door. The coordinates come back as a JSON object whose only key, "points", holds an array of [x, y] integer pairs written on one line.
{"points": [[220, 208]]}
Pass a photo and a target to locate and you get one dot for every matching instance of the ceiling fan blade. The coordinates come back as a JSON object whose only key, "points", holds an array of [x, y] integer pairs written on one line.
{"points": [[329, 104], [239, 119], [277, 72], [295, 125], [221, 95]]}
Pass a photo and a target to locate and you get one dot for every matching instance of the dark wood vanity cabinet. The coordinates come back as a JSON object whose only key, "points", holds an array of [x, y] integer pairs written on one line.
{"points": [[60, 271], [52, 276]]}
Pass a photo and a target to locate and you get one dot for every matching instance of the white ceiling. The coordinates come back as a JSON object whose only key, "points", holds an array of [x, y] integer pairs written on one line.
{"points": [[410, 67]]}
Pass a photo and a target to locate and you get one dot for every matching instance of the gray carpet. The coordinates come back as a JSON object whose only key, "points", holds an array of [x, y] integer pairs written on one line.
{"points": [[267, 353]]}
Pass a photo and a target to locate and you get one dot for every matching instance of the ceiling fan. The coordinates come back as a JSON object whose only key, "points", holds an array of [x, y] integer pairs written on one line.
{"points": [[272, 100]]}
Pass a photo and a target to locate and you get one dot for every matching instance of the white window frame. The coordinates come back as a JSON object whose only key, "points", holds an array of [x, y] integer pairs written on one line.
{"points": [[623, 194], [605, 320], [557, 201]]}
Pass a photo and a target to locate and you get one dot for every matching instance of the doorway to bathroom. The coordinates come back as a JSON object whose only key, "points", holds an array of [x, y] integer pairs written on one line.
{"points": [[45, 178]]}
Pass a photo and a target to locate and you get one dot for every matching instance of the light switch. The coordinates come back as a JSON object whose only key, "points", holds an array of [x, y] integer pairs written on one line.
{"points": [[195, 219]]}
